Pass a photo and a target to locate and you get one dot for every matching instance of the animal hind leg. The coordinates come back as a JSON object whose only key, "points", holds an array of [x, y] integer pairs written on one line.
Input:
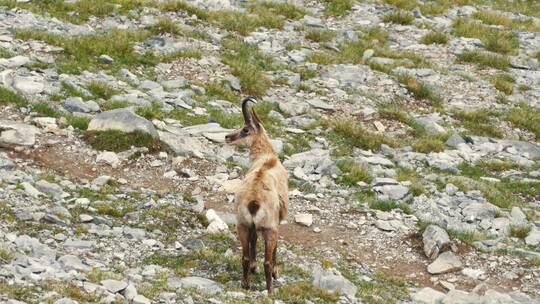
{"points": [[274, 263], [270, 243], [243, 235], [253, 249]]}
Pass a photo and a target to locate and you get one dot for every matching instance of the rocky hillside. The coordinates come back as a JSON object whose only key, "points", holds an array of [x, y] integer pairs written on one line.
{"points": [[410, 129]]}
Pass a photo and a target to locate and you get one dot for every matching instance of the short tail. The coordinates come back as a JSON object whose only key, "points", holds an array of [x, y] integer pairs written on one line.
{"points": [[253, 207]]}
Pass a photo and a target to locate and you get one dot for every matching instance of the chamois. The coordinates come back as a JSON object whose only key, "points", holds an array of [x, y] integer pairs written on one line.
{"points": [[262, 199]]}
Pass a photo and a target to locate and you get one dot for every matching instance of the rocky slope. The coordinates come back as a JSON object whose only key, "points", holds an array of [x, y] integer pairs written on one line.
{"points": [[410, 130]]}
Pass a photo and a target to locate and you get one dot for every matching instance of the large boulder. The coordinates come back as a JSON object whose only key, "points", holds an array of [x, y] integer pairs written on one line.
{"points": [[15, 133], [446, 262], [331, 280], [122, 120]]}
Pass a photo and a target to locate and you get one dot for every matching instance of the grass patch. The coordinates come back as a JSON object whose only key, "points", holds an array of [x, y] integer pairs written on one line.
{"points": [[417, 183], [480, 122], [496, 18], [434, 37], [6, 53], [19, 292], [44, 109], [102, 90], [430, 143], [467, 236], [5, 256], [248, 64], [150, 112], [320, 35], [495, 40], [388, 205], [420, 90], [496, 165], [82, 52], [348, 132], [8, 96], [525, 117], [337, 7], [111, 105], [287, 10], [485, 59], [504, 83], [383, 289], [399, 16], [167, 218], [520, 231], [299, 292], [113, 140], [353, 173]]}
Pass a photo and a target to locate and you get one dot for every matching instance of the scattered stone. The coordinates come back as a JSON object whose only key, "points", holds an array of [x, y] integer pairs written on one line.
{"points": [[446, 262], [435, 240], [427, 296], [114, 286], [122, 120], [331, 280], [304, 219]]}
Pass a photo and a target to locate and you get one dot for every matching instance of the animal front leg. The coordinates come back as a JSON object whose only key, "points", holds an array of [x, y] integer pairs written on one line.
{"points": [[274, 262], [270, 242], [243, 235]]}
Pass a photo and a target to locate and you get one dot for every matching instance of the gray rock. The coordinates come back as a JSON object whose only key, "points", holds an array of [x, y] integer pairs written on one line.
{"points": [[15, 133], [130, 292], [202, 284], [533, 239], [319, 104], [461, 297], [455, 140], [122, 120], [517, 216], [331, 280], [234, 82], [393, 192], [65, 301], [28, 85], [174, 84], [51, 189], [76, 104], [79, 244], [31, 190], [71, 262], [140, 299], [149, 85], [427, 296], [435, 240], [114, 286], [182, 145], [14, 62], [6, 164], [446, 262], [106, 59], [367, 54]]}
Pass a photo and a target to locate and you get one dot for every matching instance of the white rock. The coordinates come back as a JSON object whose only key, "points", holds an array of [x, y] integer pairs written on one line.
{"points": [[305, 219], [427, 296], [114, 286], [446, 262], [140, 299], [216, 223]]}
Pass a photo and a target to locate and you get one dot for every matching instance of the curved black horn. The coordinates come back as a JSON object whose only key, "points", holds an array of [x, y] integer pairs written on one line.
{"points": [[245, 112]]}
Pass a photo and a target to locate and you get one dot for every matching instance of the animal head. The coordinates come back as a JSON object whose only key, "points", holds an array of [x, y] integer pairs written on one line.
{"points": [[251, 129]]}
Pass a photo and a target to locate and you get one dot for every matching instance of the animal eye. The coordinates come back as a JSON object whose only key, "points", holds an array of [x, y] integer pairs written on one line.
{"points": [[245, 130]]}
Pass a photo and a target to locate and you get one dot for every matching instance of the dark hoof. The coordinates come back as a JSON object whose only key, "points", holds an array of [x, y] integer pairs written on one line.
{"points": [[245, 285], [253, 270]]}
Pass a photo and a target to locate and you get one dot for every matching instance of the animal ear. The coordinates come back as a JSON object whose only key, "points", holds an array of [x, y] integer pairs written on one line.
{"points": [[256, 120]]}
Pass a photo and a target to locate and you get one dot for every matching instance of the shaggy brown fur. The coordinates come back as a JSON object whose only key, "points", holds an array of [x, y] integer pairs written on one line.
{"points": [[262, 199]]}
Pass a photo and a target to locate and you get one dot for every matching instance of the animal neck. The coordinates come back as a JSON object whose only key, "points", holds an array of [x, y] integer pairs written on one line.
{"points": [[261, 147]]}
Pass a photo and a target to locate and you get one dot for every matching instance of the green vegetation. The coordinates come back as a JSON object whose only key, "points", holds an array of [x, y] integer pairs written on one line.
{"points": [[288, 10], [496, 18], [168, 218], [82, 52], [520, 231], [19, 292], [496, 165], [112, 140], [480, 122], [248, 64], [525, 117], [101, 90], [417, 183], [504, 83], [299, 292], [383, 289], [430, 143], [504, 194], [5, 256], [44, 109], [388, 205], [485, 59], [8, 96], [353, 173], [320, 35], [467, 236], [350, 133], [337, 7], [499, 41], [72, 90], [5, 53], [420, 90], [434, 37], [399, 16]]}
